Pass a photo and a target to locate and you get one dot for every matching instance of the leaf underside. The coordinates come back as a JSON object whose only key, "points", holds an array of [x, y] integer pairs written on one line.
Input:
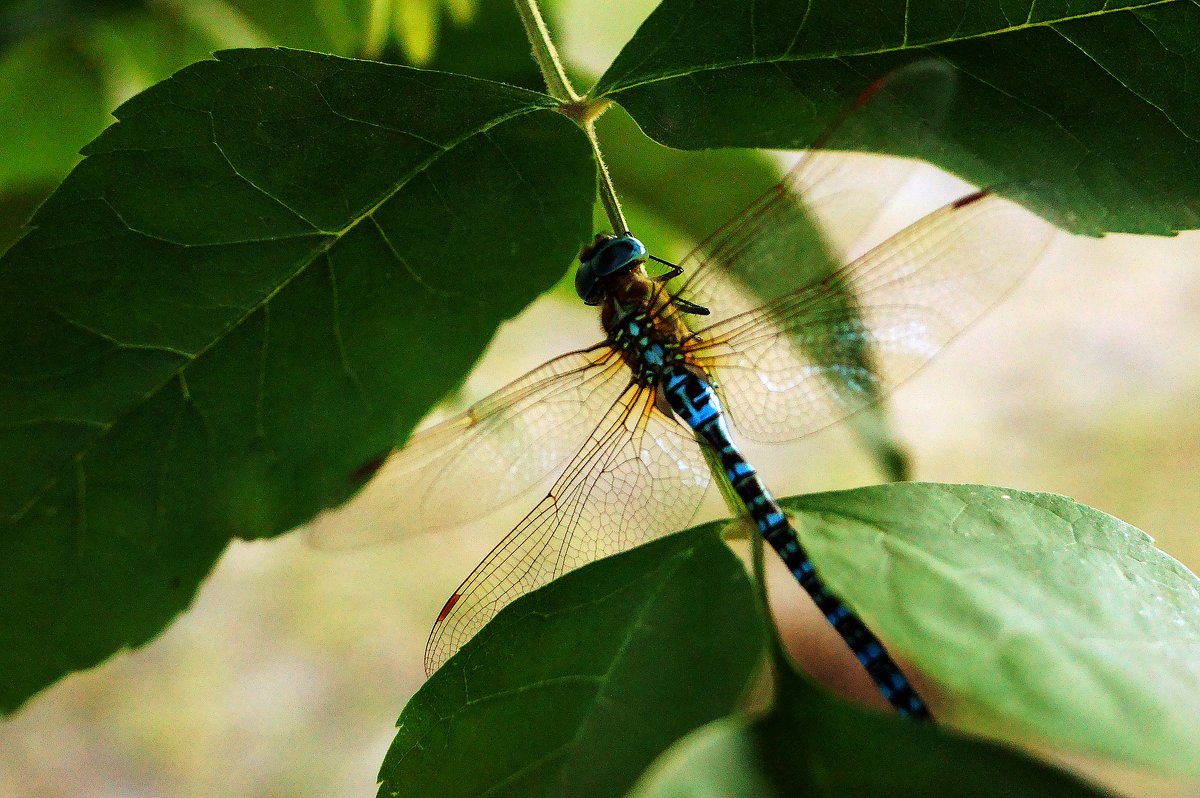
{"points": [[1098, 101], [259, 279]]}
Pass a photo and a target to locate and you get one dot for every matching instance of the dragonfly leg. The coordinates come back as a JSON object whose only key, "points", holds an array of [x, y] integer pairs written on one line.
{"points": [[666, 277], [690, 307]]}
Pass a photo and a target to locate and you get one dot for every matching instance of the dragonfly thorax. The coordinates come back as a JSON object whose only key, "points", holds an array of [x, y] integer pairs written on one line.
{"points": [[644, 326]]}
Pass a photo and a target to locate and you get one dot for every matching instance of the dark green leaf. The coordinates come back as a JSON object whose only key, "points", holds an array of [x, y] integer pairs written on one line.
{"points": [[574, 689], [853, 751], [1042, 620], [16, 206], [1099, 101], [257, 281], [68, 63], [814, 744]]}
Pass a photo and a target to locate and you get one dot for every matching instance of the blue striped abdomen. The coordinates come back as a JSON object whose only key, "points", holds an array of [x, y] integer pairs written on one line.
{"points": [[695, 402]]}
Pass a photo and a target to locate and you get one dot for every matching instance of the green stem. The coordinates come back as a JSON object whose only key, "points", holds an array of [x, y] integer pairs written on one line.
{"points": [[608, 195], [544, 52], [585, 113]]}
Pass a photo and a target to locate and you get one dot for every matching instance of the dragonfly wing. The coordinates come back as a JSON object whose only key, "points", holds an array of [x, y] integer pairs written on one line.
{"points": [[807, 226], [640, 475], [476, 461], [796, 234], [816, 355]]}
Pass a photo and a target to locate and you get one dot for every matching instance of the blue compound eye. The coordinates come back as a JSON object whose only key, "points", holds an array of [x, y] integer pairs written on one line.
{"points": [[604, 259]]}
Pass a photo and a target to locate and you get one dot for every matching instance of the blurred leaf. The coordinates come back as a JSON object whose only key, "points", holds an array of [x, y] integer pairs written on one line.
{"points": [[324, 25], [489, 44], [574, 689], [259, 279], [695, 192], [1041, 619], [718, 759], [48, 85], [813, 743], [1101, 103]]}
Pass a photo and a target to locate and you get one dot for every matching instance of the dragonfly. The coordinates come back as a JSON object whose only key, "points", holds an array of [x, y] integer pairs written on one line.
{"points": [[744, 334]]}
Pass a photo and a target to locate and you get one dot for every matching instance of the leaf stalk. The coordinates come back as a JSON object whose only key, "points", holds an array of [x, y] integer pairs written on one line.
{"points": [[545, 53], [573, 105], [608, 194]]}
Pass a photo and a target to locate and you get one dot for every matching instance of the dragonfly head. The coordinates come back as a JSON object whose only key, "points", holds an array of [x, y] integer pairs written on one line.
{"points": [[604, 257]]}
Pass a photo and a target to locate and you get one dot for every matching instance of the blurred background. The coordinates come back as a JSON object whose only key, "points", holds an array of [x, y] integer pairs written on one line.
{"points": [[288, 673]]}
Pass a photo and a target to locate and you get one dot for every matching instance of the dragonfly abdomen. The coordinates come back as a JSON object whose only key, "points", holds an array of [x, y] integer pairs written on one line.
{"points": [[696, 403]]}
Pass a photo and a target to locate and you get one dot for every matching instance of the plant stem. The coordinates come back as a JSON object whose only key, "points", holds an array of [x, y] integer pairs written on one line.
{"points": [[583, 112], [544, 52], [608, 195]]}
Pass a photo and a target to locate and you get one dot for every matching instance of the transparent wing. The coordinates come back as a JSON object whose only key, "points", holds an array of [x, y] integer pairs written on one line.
{"points": [[805, 228], [473, 463], [816, 355], [640, 475], [796, 234]]}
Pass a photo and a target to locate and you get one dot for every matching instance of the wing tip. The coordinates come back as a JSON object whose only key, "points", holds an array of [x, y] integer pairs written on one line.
{"points": [[964, 201]]}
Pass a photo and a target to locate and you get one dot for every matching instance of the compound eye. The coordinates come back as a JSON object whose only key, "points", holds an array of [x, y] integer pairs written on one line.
{"points": [[611, 257], [618, 255]]}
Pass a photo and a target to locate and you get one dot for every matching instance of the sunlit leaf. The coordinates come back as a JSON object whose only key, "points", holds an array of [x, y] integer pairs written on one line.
{"points": [[1039, 619]]}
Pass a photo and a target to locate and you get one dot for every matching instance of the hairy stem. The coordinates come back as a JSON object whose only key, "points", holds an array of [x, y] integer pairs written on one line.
{"points": [[544, 52], [608, 195], [583, 112]]}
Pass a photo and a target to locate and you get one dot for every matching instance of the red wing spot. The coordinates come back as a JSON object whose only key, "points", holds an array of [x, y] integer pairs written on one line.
{"points": [[869, 92], [449, 606], [368, 469], [962, 202]]}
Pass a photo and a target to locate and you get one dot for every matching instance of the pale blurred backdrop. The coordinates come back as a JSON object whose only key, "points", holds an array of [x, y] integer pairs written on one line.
{"points": [[287, 675]]}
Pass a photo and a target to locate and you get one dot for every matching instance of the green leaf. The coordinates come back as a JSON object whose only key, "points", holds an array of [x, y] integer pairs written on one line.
{"points": [[813, 743], [1040, 619], [257, 281], [1099, 101], [574, 689], [16, 207], [67, 64]]}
